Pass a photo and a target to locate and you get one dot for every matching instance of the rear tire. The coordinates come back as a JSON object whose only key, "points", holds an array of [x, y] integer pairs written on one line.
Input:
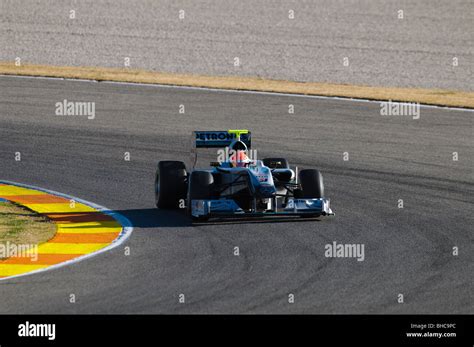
{"points": [[170, 184], [311, 183], [276, 163]]}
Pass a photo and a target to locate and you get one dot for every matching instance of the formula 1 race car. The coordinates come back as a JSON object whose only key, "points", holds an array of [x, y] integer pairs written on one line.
{"points": [[238, 185]]}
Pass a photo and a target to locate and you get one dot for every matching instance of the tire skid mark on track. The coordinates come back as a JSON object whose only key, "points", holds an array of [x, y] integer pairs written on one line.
{"points": [[83, 229]]}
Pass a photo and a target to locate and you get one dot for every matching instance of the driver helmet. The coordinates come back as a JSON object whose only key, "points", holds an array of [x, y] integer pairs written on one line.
{"points": [[239, 158]]}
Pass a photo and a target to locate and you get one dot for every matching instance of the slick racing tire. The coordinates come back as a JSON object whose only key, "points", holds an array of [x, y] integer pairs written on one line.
{"points": [[200, 184], [276, 163], [311, 183], [170, 184]]}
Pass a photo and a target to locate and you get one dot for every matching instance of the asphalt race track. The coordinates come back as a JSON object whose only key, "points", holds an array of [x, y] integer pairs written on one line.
{"points": [[407, 251]]}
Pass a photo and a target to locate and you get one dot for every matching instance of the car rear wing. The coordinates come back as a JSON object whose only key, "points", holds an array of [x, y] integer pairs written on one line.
{"points": [[217, 139], [220, 139]]}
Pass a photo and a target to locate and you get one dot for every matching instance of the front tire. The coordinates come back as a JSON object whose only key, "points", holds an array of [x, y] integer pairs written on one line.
{"points": [[311, 183], [200, 185]]}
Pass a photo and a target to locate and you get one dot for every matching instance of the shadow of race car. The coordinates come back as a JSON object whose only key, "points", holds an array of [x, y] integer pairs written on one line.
{"points": [[238, 186]]}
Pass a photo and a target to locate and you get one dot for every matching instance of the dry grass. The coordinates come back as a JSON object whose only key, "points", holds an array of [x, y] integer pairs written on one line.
{"points": [[426, 96], [21, 226]]}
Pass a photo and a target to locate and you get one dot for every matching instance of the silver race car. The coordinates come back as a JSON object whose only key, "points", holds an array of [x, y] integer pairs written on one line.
{"points": [[237, 185]]}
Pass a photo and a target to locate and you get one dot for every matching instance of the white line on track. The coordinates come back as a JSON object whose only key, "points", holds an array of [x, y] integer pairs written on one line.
{"points": [[127, 229], [236, 91]]}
